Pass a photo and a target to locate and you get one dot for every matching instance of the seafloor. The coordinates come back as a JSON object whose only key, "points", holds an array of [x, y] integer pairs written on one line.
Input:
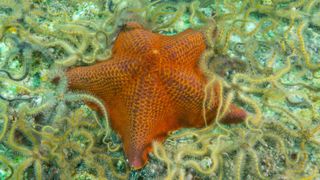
{"points": [[265, 53]]}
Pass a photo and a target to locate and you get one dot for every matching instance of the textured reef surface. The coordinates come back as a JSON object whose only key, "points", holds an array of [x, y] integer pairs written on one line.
{"points": [[264, 54]]}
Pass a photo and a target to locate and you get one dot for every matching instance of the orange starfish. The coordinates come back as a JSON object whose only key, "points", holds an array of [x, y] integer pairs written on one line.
{"points": [[151, 85]]}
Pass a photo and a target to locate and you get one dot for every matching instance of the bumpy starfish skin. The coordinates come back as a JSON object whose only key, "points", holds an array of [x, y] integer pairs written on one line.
{"points": [[151, 85]]}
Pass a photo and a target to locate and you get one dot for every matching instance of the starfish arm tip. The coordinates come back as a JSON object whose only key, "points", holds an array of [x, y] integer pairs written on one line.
{"points": [[235, 115]]}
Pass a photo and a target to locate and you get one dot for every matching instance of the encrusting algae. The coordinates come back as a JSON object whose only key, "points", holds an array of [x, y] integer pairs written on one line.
{"points": [[263, 53]]}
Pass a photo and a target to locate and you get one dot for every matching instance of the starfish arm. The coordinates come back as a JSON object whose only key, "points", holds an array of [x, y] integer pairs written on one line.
{"points": [[184, 49], [185, 86], [234, 115], [134, 42], [151, 117], [103, 79]]}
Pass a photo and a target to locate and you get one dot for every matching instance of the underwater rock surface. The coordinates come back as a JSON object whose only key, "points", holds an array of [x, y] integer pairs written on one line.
{"points": [[265, 54]]}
